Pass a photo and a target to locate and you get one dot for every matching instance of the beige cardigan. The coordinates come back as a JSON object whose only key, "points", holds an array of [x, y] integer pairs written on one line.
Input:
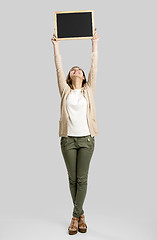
{"points": [[88, 92]]}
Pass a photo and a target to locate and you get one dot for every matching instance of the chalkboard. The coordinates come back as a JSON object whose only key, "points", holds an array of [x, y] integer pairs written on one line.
{"points": [[74, 24]]}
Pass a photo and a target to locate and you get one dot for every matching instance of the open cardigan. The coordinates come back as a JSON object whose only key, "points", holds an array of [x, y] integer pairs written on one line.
{"points": [[88, 92]]}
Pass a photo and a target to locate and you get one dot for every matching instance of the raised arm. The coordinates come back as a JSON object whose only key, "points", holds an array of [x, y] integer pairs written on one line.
{"points": [[59, 68], [94, 60]]}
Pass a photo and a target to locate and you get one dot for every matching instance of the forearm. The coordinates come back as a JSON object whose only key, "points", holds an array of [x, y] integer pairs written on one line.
{"points": [[56, 49], [58, 59], [59, 68], [93, 68], [94, 46]]}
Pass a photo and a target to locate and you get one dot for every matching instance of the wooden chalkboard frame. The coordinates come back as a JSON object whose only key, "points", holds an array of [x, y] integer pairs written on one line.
{"points": [[75, 38]]}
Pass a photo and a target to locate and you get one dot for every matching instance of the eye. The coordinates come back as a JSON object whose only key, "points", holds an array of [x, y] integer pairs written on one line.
{"points": [[80, 70]]}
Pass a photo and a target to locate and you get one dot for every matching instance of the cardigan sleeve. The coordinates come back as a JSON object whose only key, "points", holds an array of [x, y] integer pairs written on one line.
{"points": [[93, 70], [60, 73]]}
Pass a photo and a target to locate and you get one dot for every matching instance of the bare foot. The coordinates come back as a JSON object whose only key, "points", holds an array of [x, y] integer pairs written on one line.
{"points": [[74, 222], [82, 220]]}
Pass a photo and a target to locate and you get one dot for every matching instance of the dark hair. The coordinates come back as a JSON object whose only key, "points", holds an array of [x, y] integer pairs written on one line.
{"points": [[69, 81]]}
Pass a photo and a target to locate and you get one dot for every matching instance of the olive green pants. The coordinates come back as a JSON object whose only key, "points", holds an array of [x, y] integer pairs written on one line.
{"points": [[77, 153]]}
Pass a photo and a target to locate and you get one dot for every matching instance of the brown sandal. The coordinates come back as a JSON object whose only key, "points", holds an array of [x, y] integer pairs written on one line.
{"points": [[71, 232], [82, 230]]}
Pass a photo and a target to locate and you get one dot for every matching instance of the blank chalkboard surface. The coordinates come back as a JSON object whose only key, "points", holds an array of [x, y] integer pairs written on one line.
{"points": [[74, 24]]}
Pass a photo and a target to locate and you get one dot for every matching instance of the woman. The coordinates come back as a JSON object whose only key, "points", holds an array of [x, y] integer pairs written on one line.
{"points": [[77, 128]]}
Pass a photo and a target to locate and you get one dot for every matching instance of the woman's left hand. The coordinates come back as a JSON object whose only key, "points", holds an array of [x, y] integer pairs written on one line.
{"points": [[95, 36]]}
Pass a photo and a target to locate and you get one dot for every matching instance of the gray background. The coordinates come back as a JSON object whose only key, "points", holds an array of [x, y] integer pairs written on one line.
{"points": [[35, 201]]}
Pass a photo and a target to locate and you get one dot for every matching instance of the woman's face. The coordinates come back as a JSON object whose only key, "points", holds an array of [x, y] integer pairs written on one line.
{"points": [[76, 72]]}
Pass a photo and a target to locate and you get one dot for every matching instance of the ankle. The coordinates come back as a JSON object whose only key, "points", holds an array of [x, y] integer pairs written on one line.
{"points": [[75, 218]]}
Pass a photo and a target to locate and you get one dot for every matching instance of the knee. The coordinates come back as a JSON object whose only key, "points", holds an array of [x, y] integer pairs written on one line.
{"points": [[82, 180], [72, 180]]}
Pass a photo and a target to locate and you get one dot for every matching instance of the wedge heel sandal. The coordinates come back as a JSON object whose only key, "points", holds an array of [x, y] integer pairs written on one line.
{"points": [[71, 232], [82, 230]]}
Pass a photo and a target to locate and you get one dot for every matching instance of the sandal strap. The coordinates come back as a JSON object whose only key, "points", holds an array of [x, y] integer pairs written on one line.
{"points": [[75, 218], [80, 224]]}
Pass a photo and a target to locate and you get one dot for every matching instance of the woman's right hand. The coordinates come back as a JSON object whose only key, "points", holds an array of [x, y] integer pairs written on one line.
{"points": [[54, 40]]}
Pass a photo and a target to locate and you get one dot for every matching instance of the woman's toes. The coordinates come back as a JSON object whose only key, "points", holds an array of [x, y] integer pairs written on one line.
{"points": [[82, 226]]}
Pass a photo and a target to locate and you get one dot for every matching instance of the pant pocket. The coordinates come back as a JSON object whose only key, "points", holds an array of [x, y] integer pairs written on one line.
{"points": [[63, 141], [92, 138], [90, 141]]}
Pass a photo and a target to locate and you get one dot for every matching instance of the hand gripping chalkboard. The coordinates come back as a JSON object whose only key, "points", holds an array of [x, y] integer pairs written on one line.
{"points": [[74, 24]]}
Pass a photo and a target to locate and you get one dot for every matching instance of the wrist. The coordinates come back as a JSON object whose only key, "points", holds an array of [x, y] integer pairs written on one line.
{"points": [[94, 42], [56, 44], [94, 47]]}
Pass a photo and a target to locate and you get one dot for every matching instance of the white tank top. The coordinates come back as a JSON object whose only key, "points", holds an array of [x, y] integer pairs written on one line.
{"points": [[77, 108]]}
